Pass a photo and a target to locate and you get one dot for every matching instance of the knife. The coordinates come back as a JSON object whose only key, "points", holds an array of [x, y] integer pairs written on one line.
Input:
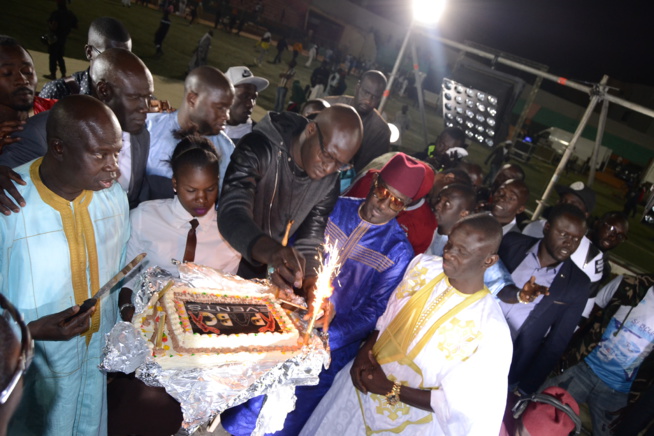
{"points": [[109, 285]]}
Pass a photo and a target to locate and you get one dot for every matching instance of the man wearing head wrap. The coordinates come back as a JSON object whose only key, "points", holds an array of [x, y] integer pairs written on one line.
{"points": [[416, 219], [374, 253]]}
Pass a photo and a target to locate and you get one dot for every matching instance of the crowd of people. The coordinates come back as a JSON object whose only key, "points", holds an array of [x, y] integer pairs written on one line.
{"points": [[451, 306]]}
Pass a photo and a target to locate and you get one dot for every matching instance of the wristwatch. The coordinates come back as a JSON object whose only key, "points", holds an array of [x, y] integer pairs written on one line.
{"points": [[393, 397]]}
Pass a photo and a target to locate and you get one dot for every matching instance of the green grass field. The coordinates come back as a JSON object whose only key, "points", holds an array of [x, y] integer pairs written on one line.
{"points": [[27, 21]]}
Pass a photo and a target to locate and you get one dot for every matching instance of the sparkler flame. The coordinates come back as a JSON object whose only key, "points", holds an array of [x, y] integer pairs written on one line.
{"points": [[329, 269], [326, 272]]}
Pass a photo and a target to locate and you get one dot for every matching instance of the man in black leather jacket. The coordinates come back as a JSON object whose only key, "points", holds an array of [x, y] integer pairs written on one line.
{"points": [[283, 180]]}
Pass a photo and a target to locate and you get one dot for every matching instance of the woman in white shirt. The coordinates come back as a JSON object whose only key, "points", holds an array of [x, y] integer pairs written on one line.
{"points": [[160, 228]]}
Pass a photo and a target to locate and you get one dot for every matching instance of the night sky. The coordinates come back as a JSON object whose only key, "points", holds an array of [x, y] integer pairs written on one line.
{"points": [[577, 39]]}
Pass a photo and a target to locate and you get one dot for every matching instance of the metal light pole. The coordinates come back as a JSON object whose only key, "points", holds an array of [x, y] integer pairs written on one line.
{"points": [[596, 97], [398, 61]]}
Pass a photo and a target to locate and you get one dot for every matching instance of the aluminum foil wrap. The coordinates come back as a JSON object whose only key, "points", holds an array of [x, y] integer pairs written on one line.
{"points": [[207, 391]]}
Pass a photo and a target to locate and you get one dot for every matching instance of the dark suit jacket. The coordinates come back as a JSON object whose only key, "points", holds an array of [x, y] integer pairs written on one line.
{"points": [[534, 353], [34, 144]]}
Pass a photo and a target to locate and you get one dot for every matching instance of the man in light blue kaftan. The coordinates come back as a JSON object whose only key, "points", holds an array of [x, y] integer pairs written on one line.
{"points": [[374, 253], [68, 240]]}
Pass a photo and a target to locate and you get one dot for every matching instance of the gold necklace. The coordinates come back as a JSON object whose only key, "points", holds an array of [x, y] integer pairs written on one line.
{"points": [[424, 316]]}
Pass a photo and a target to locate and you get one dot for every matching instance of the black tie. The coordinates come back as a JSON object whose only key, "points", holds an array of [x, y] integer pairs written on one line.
{"points": [[191, 242]]}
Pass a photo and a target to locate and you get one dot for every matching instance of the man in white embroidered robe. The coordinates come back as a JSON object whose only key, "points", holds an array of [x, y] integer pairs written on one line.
{"points": [[438, 362], [67, 241]]}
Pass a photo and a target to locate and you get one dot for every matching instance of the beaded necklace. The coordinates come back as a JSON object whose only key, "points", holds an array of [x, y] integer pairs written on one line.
{"points": [[424, 316]]}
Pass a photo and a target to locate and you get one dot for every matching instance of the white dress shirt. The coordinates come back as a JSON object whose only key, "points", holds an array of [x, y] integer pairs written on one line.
{"points": [[125, 162], [160, 229]]}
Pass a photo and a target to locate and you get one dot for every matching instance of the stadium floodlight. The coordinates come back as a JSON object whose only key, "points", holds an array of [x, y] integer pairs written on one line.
{"points": [[428, 11], [425, 12]]}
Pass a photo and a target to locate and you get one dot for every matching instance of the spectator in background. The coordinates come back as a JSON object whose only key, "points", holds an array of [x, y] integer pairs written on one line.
{"points": [[298, 97], [264, 46], [509, 200], [402, 121], [247, 87], [282, 87], [282, 45], [313, 51], [376, 134], [297, 48], [201, 53], [104, 33], [162, 31], [61, 23], [438, 152], [319, 81]]}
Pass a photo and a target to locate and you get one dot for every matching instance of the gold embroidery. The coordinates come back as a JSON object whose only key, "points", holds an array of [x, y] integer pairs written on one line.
{"points": [[459, 339], [78, 229], [413, 283]]}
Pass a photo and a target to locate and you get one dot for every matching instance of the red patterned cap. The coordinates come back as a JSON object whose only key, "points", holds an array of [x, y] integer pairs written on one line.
{"points": [[406, 175]]}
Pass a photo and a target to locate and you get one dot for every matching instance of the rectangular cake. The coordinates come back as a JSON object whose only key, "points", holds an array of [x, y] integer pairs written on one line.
{"points": [[201, 321], [213, 327]]}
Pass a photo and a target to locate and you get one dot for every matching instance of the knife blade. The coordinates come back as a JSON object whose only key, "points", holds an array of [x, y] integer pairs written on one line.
{"points": [[109, 285]]}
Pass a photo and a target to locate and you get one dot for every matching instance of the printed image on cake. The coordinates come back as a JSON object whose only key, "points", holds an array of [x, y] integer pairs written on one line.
{"points": [[230, 318], [209, 326]]}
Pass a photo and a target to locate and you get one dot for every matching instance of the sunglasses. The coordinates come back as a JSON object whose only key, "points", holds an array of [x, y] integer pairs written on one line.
{"points": [[11, 315], [382, 193], [326, 156]]}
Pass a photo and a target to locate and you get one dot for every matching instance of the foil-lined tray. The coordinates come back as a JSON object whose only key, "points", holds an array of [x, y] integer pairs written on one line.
{"points": [[205, 392]]}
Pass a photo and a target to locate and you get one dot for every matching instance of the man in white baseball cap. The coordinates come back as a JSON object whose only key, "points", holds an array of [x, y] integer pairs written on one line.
{"points": [[247, 86]]}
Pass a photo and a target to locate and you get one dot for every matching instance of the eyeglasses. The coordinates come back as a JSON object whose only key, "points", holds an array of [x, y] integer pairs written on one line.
{"points": [[328, 157], [94, 48], [11, 315], [615, 233], [382, 193]]}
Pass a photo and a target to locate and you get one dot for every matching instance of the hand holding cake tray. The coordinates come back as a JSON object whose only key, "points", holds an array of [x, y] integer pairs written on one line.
{"points": [[214, 341]]}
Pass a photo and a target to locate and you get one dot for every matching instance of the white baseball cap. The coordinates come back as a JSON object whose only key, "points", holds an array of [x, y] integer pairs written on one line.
{"points": [[243, 76]]}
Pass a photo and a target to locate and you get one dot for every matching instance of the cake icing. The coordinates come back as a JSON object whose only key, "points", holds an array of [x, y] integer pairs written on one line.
{"points": [[211, 327]]}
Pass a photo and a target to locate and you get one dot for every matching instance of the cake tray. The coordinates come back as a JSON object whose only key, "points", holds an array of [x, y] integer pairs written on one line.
{"points": [[205, 392]]}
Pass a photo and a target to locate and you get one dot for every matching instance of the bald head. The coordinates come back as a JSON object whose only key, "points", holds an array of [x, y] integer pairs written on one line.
{"points": [[206, 79], [84, 139], [330, 141], [105, 33], [79, 118], [487, 226], [122, 81], [208, 97]]}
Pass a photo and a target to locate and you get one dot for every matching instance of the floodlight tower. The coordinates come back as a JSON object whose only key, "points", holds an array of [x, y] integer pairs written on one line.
{"points": [[425, 12]]}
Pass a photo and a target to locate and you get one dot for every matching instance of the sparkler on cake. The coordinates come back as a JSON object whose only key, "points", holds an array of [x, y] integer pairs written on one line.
{"points": [[330, 268]]}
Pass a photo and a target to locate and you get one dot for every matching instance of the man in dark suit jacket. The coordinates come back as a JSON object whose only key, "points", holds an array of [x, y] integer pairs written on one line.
{"points": [[541, 329], [122, 81]]}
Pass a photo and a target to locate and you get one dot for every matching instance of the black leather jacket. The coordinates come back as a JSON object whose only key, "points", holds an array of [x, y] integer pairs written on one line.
{"points": [[264, 188]]}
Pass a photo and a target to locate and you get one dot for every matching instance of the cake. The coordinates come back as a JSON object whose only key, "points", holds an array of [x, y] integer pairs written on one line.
{"points": [[201, 321], [210, 326]]}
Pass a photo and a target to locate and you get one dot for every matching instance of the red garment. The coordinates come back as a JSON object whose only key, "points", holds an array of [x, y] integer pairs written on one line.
{"points": [[419, 224], [43, 104]]}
